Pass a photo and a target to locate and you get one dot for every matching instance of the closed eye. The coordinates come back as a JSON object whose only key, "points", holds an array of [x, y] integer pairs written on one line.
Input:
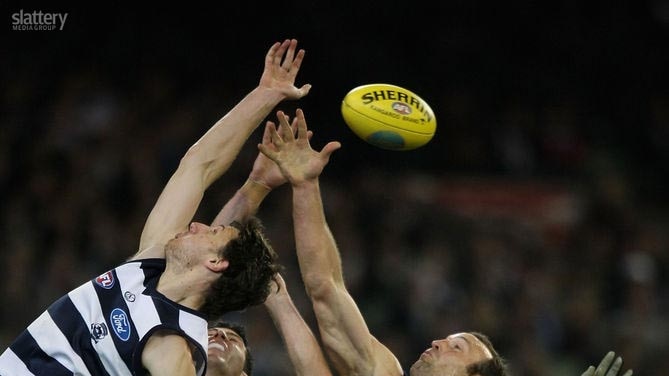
{"points": [[234, 338]]}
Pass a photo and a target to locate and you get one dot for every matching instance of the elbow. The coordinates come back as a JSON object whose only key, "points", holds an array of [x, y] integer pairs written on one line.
{"points": [[323, 289], [320, 288], [195, 160], [192, 157]]}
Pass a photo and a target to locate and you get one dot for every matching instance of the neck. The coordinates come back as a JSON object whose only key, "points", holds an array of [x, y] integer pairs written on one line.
{"points": [[184, 288]]}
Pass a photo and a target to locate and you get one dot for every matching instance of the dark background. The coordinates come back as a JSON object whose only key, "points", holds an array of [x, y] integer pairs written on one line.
{"points": [[537, 214]]}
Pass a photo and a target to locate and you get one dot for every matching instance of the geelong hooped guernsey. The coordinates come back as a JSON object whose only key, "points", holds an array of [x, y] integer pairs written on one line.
{"points": [[101, 327]]}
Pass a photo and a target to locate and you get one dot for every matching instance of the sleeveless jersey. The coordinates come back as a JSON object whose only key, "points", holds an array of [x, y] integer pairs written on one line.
{"points": [[101, 327]]}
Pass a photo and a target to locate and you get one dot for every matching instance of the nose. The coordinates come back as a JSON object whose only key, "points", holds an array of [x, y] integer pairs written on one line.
{"points": [[439, 344], [196, 227], [219, 333]]}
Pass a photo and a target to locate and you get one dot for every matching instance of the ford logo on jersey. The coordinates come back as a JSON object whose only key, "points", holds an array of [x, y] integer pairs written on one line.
{"points": [[120, 323]]}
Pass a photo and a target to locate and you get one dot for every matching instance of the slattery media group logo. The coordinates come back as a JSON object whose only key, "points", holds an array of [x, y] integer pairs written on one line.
{"points": [[38, 21]]}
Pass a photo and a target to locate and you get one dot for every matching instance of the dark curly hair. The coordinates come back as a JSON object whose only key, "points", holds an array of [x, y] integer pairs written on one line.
{"points": [[245, 282], [490, 367], [241, 331]]}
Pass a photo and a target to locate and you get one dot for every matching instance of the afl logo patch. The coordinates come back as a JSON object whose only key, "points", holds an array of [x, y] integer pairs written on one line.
{"points": [[106, 280], [120, 323], [401, 108]]}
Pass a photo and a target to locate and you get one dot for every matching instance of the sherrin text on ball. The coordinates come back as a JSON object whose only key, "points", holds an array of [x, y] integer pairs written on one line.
{"points": [[388, 116]]}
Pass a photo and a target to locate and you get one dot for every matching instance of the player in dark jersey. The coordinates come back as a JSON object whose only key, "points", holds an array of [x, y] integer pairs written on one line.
{"points": [[348, 342], [150, 314]]}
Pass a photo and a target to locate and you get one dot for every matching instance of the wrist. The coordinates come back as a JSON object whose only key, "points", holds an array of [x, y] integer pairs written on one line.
{"points": [[270, 95], [305, 184], [276, 298], [257, 185], [254, 191]]}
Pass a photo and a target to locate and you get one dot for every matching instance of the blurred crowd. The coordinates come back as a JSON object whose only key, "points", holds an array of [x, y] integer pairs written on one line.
{"points": [[557, 271], [540, 221]]}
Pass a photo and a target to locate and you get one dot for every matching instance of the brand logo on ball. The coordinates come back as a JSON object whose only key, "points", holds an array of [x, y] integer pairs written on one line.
{"points": [[120, 324], [388, 116], [105, 281], [401, 108]]}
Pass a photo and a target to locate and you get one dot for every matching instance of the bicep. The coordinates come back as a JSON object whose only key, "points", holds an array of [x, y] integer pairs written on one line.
{"points": [[174, 208], [168, 354]]}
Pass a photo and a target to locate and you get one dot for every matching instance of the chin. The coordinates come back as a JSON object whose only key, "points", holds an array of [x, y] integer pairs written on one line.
{"points": [[418, 367], [422, 368], [170, 246], [175, 256]]}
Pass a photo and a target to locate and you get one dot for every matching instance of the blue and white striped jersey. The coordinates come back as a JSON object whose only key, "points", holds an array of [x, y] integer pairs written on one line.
{"points": [[101, 327]]}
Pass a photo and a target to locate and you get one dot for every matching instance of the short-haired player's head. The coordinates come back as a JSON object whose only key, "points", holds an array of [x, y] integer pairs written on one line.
{"points": [[228, 352], [460, 354]]}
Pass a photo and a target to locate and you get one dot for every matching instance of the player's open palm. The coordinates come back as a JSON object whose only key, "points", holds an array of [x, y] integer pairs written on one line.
{"points": [[293, 154], [265, 171], [282, 63]]}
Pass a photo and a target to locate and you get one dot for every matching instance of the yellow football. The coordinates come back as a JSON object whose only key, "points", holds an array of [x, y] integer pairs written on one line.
{"points": [[388, 116]]}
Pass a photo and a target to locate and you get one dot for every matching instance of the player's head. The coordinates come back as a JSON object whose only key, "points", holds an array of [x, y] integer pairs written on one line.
{"points": [[460, 354], [199, 243], [228, 351], [252, 263]]}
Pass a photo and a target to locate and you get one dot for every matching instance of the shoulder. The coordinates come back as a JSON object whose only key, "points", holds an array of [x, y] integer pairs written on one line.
{"points": [[135, 271], [156, 251]]}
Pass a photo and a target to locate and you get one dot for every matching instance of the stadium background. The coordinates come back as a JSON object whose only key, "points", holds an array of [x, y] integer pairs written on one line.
{"points": [[537, 214]]}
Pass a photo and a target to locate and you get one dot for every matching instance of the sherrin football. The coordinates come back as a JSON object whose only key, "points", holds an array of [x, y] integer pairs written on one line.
{"points": [[388, 116]]}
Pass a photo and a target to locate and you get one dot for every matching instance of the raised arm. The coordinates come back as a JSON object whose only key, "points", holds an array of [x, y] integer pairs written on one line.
{"points": [[264, 177], [303, 347], [346, 337], [215, 151]]}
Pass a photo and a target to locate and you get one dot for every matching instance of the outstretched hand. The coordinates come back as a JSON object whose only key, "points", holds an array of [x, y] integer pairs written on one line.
{"points": [[265, 171], [607, 367], [277, 293], [281, 67], [292, 153]]}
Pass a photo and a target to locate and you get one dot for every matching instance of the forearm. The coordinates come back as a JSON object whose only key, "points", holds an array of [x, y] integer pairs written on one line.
{"points": [[243, 204], [218, 147], [303, 348], [319, 260], [343, 329]]}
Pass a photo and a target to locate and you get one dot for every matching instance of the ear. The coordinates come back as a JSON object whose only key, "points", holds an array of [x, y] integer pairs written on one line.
{"points": [[217, 265]]}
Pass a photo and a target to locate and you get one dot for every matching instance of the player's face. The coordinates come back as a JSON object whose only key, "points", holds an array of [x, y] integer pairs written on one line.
{"points": [[198, 240], [451, 356], [226, 354]]}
